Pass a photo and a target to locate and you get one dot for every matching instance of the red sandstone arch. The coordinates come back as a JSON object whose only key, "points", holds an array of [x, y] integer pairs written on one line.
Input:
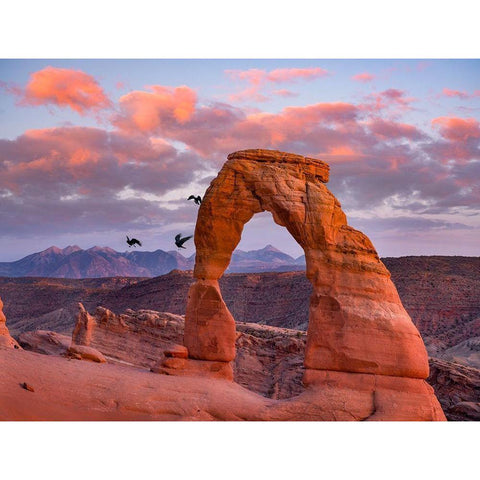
{"points": [[357, 322]]}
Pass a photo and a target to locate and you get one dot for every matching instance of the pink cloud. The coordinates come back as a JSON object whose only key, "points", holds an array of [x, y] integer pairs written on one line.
{"points": [[256, 76], [363, 77], [64, 88], [284, 93], [249, 94], [219, 128], [391, 98], [237, 130], [148, 111], [260, 78], [74, 179], [457, 129], [447, 92], [387, 129], [69, 160], [284, 75]]}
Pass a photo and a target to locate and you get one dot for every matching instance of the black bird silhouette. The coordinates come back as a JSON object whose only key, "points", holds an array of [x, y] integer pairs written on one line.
{"points": [[197, 199], [180, 241], [133, 241]]}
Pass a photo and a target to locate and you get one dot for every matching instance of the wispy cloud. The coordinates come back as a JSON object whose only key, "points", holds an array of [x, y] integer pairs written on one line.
{"points": [[364, 77], [258, 79]]}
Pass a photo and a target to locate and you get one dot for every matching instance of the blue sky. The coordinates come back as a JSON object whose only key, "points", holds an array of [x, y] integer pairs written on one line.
{"points": [[94, 149]]}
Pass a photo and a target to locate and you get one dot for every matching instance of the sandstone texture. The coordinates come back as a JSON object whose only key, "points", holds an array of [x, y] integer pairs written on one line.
{"points": [[86, 353], [6, 341], [269, 360], [45, 341], [357, 323], [134, 338], [458, 389], [75, 390], [364, 358]]}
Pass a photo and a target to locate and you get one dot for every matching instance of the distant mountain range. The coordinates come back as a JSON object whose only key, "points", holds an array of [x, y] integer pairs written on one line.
{"points": [[97, 262]]}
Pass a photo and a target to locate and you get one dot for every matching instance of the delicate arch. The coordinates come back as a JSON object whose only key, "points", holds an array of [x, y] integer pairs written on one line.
{"points": [[356, 320]]}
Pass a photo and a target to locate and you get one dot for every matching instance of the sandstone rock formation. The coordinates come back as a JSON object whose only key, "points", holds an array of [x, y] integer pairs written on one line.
{"points": [[75, 390], [134, 337], [358, 332], [437, 292], [269, 360], [458, 389], [6, 341], [82, 352], [45, 341]]}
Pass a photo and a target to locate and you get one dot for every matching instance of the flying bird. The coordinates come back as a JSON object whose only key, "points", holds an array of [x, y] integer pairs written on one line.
{"points": [[179, 241], [197, 199], [133, 241]]}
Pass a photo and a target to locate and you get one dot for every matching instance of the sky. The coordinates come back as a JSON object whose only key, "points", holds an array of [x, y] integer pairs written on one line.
{"points": [[93, 150]]}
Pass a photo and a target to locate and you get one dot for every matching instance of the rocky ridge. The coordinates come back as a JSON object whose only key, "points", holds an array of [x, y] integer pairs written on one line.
{"points": [[101, 262], [278, 299], [269, 360]]}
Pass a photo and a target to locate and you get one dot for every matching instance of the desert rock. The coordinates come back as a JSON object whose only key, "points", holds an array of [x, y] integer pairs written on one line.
{"points": [[6, 341], [269, 360], [72, 390], [357, 323], [457, 387], [86, 353]]}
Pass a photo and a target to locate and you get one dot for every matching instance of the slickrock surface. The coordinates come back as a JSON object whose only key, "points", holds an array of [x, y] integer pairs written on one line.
{"points": [[136, 338], [6, 341], [269, 360], [357, 323], [45, 341], [68, 389]]}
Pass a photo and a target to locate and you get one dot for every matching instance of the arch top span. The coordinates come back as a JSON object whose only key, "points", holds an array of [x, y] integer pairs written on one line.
{"points": [[357, 322], [305, 165]]}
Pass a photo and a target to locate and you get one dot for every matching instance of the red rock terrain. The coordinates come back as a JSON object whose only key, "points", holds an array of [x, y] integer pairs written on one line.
{"points": [[457, 388], [63, 387], [364, 358], [6, 341], [269, 360], [50, 303], [69, 389], [441, 294], [449, 315]]}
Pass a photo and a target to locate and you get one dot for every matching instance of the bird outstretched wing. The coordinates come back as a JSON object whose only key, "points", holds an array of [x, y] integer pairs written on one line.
{"points": [[184, 239], [191, 197], [177, 237]]}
